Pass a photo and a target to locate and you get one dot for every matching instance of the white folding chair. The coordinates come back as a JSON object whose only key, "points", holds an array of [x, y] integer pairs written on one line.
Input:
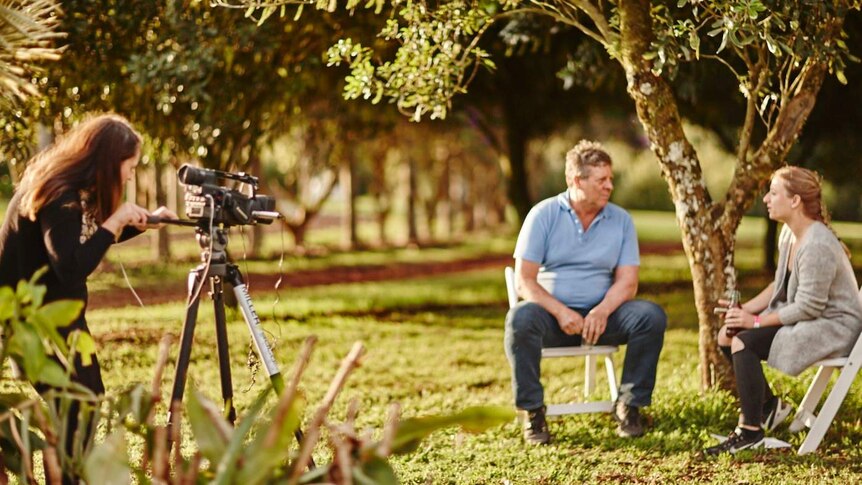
{"points": [[588, 352], [847, 368]]}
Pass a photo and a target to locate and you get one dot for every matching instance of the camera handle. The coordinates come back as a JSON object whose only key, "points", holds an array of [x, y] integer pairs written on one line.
{"points": [[217, 271]]}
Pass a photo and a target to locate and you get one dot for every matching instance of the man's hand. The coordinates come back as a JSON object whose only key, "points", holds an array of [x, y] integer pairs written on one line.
{"points": [[594, 325], [571, 322]]}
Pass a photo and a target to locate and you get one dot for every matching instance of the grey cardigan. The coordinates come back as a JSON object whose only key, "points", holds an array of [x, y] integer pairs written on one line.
{"points": [[820, 309]]}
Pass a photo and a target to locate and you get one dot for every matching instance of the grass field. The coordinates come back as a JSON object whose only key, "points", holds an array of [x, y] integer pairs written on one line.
{"points": [[435, 346]]}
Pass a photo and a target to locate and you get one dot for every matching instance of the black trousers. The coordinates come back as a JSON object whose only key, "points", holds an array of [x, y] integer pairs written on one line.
{"points": [[754, 391]]}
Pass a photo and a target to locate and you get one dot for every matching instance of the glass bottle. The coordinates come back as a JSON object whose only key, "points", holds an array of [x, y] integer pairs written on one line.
{"points": [[733, 302]]}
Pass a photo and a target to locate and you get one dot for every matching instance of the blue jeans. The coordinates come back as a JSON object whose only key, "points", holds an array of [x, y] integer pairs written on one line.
{"points": [[639, 324]]}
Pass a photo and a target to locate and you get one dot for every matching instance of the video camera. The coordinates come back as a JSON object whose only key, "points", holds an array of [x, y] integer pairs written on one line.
{"points": [[206, 200]]}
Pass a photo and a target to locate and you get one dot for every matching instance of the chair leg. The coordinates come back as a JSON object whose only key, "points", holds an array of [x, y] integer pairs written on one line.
{"points": [[589, 376], [613, 386], [809, 403], [830, 408]]}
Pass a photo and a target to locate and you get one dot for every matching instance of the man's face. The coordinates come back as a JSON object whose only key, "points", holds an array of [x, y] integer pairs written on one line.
{"points": [[597, 185]]}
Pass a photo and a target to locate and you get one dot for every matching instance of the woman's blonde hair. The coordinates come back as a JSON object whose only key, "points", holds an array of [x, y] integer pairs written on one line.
{"points": [[807, 184], [88, 158]]}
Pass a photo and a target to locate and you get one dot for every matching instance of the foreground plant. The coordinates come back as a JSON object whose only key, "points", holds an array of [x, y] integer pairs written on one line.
{"points": [[260, 449]]}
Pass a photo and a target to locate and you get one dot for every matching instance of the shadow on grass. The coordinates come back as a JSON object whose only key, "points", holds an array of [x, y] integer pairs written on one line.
{"points": [[486, 316]]}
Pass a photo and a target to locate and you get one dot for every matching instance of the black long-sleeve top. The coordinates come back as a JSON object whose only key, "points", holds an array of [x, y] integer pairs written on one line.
{"points": [[53, 239]]}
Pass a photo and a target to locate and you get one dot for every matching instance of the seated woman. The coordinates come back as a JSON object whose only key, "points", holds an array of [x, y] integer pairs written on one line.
{"points": [[811, 311]]}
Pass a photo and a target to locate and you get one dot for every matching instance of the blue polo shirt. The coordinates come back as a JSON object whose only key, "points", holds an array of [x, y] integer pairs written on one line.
{"points": [[576, 263]]}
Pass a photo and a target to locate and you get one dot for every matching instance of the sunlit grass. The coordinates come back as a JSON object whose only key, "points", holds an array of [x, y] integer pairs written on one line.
{"points": [[435, 346]]}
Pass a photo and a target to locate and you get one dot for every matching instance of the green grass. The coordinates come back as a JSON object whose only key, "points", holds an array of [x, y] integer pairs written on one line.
{"points": [[435, 346]]}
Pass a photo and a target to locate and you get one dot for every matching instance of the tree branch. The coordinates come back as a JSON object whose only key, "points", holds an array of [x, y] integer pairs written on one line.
{"points": [[547, 10]]}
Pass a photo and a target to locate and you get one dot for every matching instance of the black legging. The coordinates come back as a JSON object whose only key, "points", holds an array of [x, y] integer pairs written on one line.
{"points": [[754, 391]]}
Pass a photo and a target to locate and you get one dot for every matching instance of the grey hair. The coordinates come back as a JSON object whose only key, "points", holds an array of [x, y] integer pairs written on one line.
{"points": [[583, 157]]}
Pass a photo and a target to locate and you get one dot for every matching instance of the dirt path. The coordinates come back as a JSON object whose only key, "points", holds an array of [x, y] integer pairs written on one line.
{"points": [[258, 282]]}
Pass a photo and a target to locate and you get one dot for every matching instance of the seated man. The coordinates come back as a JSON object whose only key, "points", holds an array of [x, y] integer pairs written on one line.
{"points": [[576, 267]]}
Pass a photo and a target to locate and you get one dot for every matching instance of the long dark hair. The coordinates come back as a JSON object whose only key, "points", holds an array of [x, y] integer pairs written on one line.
{"points": [[88, 157]]}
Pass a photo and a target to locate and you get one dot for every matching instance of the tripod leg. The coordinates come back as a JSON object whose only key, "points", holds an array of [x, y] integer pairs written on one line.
{"points": [[195, 278], [223, 349], [260, 343]]}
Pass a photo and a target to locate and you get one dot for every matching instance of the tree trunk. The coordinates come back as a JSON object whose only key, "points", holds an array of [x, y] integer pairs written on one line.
{"points": [[708, 240], [382, 216], [444, 202], [410, 184], [515, 164], [161, 246], [382, 198], [298, 232], [468, 197], [708, 228], [256, 232], [346, 173]]}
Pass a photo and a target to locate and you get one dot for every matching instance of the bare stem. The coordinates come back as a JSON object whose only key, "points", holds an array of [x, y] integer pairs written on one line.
{"points": [[390, 429], [342, 454], [313, 433]]}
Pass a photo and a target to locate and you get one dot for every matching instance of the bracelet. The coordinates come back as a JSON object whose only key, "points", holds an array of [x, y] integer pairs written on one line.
{"points": [[757, 321]]}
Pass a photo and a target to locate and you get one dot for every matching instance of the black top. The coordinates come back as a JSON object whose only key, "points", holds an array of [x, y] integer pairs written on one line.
{"points": [[52, 240]]}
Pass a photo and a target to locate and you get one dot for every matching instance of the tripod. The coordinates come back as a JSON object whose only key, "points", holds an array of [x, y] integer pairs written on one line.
{"points": [[213, 243]]}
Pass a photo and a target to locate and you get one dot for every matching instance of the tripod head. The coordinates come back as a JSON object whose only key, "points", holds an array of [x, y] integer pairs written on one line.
{"points": [[213, 244]]}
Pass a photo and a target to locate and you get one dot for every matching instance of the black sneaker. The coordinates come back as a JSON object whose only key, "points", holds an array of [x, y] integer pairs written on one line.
{"points": [[774, 413], [740, 439], [536, 427], [631, 423]]}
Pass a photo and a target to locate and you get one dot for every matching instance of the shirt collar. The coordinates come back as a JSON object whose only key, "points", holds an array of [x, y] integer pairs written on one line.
{"points": [[563, 201]]}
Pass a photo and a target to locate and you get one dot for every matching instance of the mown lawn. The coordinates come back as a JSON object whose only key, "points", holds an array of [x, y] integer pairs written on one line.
{"points": [[435, 346]]}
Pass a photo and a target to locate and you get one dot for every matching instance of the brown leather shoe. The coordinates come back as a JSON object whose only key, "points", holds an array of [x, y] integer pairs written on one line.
{"points": [[536, 427], [631, 423]]}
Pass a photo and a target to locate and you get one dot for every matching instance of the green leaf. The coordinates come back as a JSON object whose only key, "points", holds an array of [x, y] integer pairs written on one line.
{"points": [[723, 42], [475, 419], [135, 401], [212, 432], [108, 463], [85, 346], [734, 39], [375, 471], [262, 459], [58, 313], [841, 77], [26, 344], [227, 467], [53, 374], [316, 475], [714, 32], [694, 42], [7, 303]]}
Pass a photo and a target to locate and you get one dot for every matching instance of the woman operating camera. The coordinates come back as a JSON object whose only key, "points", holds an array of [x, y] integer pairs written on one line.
{"points": [[65, 214]]}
